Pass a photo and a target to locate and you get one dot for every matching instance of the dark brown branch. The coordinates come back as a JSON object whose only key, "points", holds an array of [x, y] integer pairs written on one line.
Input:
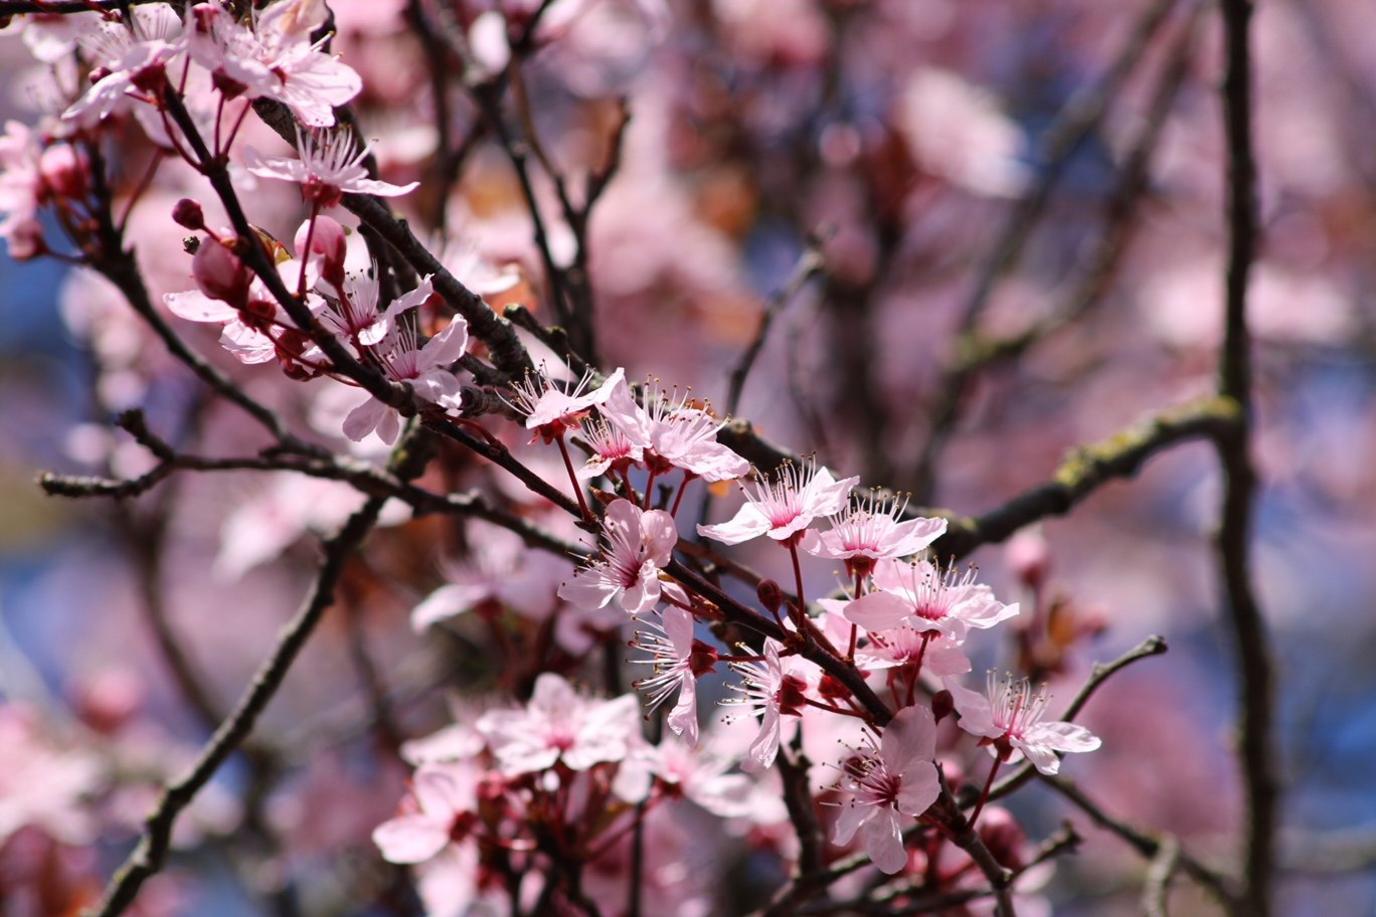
{"points": [[151, 851], [1086, 469], [1239, 474], [1147, 844]]}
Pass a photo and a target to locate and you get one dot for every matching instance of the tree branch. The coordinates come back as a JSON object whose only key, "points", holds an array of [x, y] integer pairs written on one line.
{"points": [[1239, 475]]}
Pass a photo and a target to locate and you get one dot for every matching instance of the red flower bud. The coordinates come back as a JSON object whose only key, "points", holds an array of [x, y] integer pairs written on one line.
{"points": [[770, 595], [220, 274], [188, 213], [942, 705]]}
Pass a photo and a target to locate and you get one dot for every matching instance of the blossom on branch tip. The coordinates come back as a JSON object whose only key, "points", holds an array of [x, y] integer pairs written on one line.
{"points": [[424, 367], [558, 725], [891, 778], [772, 687], [678, 659], [672, 433], [354, 315], [871, 530], [440, 808], [330, 165], [783, 504], [274, 58], [550, 410], [637, 544], [1009, 716], [130, 58], [924, 597]]}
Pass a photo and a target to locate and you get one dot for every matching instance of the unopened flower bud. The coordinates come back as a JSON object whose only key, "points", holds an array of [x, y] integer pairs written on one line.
{"points": [[220, 274], [187, 213], [942, 705], [770, 596], [330, 242], [1003, 836], [64, 171]]}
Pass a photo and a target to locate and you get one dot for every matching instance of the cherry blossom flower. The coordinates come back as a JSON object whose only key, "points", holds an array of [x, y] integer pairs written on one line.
{"points": [[783, 505], [274, 58], [330, 166], [559, 725], [439, 809], [670, 433], [230, 295], [42, 784], [894, 778], [925, 598], [637, 544], [772, 688], [873, 530], [21, 190], [1010, 717], [354, 315], [701, 777], [678, 660], [550, 410], [496, 570], [424, 367], [132, 55], [939, 654], [612, 449]]}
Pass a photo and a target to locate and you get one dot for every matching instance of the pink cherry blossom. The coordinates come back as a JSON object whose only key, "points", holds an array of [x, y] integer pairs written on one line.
{"points": [[895, 778], [637, 543], [671, 433], [423, 367], [677, 659], [784, 504], [771, 688], [440, 809], [21, 190], [611, 449], [559, 725], [873, 530], [354, 315], [1011, 714], [700, 776], [330, 166], [926, 598], [42, 784], [496, 568], [550, 409], [274, 58], [133, 56]]}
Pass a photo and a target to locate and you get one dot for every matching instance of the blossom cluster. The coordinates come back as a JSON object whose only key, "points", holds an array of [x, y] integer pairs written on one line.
{"points": [[578, 539]]}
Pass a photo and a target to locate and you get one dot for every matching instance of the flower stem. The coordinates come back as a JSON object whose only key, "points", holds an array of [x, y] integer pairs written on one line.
{"points": [[798, 584], [305, 255], [854, 628], [573, 478], [683, 485], [988, 785]]}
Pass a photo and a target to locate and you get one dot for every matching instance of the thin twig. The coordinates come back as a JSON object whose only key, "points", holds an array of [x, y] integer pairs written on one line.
{"points": [[1156, 889]]}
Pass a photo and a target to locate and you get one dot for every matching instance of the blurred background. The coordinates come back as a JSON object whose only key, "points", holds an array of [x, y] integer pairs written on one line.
{"points": [[1016, 209]]}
